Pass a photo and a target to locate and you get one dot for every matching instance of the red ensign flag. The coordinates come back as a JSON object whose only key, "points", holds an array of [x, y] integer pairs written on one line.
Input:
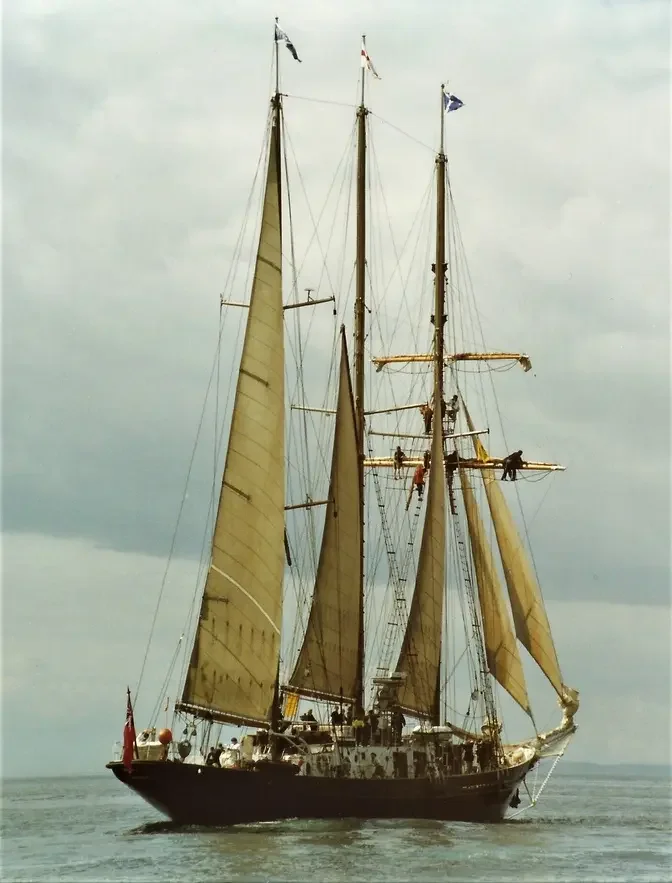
{"points": [[129, 734]]}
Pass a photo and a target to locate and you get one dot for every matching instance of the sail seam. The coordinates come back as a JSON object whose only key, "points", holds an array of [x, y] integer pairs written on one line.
{"points": [[247, 595]]}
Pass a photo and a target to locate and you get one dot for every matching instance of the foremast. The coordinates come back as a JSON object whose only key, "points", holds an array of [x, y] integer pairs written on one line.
{"points": [[233, 670]]}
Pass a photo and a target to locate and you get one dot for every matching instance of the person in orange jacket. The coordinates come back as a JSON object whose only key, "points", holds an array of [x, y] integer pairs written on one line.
{"points": [[419, 480]]}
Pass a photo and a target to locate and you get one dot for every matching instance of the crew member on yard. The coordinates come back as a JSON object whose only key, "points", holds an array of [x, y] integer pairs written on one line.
{"points": [[399, 458], [512, 464], [427, 413]]}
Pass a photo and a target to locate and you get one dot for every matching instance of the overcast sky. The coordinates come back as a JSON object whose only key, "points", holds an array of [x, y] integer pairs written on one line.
{"points": [[131, 136]]}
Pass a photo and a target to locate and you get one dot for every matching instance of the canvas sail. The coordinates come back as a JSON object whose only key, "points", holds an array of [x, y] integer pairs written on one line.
{"points": [[501, 650], [234, 662], [328, 664], [533, 629], [420, 656]]}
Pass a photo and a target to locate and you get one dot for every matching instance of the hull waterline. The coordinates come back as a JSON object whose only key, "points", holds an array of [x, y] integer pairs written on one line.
{"points": [[200, 795]]}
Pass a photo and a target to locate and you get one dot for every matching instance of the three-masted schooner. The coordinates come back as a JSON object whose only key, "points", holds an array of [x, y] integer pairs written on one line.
{"points": [[356, 763]]}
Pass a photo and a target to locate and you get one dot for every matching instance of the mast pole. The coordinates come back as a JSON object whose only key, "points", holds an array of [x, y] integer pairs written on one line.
{"points": [[276, 714], [439, 320], [440, 266], [360, 331], [277, 59]]}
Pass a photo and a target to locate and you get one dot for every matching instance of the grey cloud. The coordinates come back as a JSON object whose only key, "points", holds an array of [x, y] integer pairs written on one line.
{"points": [[131, 136]]}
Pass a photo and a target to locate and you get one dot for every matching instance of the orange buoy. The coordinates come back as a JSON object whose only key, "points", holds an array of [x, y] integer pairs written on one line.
{"points": [[165, 737]]}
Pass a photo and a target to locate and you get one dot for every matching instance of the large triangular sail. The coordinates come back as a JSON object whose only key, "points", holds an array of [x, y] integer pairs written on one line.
{"points": [[233, 668], [533, 629], [420, 656], [328, 664], [501, 650]]}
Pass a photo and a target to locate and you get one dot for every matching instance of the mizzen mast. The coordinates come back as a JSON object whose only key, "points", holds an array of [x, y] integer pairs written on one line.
{"points": [[440, 268], [360, 333]]}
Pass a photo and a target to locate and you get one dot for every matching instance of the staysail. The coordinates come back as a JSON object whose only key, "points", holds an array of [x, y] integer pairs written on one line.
{"points": [[328, 664], [234, 662], [533, 629], [501, 649], [420, 656]]}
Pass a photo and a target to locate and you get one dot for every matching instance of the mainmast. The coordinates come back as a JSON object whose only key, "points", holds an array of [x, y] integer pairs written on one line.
{"points": [[360, 331], [439, 319], [440, 268]]}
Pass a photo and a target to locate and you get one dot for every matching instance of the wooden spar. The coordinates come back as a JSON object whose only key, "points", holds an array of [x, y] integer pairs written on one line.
{"points": [[445, 434], [307, 505], [492, 463], [521, 358], [314, 410], [366, 413], [303, 303], [310, 302], [396, 408]]}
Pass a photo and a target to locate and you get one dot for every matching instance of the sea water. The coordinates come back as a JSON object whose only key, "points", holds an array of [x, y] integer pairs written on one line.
{"points": [[587, 826]]}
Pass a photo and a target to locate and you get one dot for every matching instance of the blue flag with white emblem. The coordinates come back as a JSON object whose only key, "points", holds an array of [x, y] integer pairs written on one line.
{"points": [[451, 102]]}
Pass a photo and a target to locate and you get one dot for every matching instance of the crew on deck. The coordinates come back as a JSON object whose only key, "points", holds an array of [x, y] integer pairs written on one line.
{"points": [[398, 722], [309, 717], [358, 722]]}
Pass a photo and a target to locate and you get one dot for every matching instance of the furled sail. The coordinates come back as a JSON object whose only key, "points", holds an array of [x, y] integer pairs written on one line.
{"points": [[328, 664], [529, 615], [234, 662], [501, 649], [420, 656]]}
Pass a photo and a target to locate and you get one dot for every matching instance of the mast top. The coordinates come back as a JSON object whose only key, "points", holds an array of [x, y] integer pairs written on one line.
{"points": [[443, 113], [365, 57]]}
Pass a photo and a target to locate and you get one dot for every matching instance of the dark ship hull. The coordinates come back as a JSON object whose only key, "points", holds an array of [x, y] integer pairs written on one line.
{"points": [[190, 794]]}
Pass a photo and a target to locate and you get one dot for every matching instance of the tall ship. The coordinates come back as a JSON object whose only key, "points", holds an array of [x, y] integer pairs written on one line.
{"points": [[368, 599]]}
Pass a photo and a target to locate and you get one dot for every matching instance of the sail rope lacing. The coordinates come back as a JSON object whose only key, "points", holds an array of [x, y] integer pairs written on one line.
{"points": [[473, 630], [300, 461], [457, 246], [228, 283]]}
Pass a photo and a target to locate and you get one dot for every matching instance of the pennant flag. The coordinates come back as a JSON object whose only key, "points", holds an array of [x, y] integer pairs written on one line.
{"points": [[129, 733], [366, 61], [281, 35], [451, 102]]}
